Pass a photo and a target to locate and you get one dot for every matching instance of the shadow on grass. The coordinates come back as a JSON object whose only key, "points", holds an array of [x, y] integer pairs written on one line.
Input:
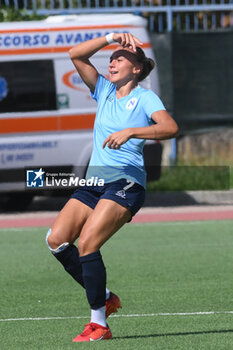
{"points": [[175, 334]]}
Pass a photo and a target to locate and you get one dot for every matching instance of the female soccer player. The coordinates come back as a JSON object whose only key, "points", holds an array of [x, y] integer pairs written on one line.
{"points": [[127, 115]]}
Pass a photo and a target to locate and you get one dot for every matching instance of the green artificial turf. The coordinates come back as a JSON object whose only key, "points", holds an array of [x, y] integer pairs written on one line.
{"points": [[164, 273]]}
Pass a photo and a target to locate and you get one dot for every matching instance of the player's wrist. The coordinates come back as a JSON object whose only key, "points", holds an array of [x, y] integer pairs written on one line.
{"points": [[109, 38], [130, 132]]}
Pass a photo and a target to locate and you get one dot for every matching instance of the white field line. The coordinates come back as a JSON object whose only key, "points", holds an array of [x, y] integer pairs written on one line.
{"points": [[200, 313]]}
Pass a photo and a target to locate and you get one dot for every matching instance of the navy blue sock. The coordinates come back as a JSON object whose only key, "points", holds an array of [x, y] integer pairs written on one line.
{"points": [[69, 258], [94, 277]]}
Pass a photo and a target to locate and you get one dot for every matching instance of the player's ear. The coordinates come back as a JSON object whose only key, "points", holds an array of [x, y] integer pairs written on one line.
{"points": [[137, 69]]}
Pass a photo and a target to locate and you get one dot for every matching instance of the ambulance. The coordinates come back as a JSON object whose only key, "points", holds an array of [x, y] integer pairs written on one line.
{"points": [[46, 112]]}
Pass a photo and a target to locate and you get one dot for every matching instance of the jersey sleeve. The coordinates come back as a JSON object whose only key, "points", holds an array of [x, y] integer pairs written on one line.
{"points": [[103, 87], [151, 104]]}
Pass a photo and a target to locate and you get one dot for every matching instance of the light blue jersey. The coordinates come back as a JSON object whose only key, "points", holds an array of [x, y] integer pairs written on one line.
{"points": [[113, 115]]}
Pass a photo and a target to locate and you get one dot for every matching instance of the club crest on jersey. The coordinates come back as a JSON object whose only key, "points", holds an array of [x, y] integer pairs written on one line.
{"points": [[131, 103], [110, 98]]}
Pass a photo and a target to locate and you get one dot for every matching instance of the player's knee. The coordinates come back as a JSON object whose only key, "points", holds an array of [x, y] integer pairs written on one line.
{"points": [[54, 245], [86, 246], [50, 240]]}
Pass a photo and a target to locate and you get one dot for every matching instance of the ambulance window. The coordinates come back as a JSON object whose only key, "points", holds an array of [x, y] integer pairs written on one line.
{"points": [[27, 86]]}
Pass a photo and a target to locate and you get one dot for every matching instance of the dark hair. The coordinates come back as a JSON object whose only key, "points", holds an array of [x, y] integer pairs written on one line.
{"points": [[147, 64]]}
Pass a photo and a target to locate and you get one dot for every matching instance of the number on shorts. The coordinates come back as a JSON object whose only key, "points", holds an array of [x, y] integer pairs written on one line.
{"points": [[131, 183]]}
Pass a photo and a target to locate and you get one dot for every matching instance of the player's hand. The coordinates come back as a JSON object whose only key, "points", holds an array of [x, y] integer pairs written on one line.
{"points": [[127, 40], [117, 139]]}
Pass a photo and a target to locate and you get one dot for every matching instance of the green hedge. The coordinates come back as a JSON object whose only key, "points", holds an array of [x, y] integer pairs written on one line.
{"points": [[11, 15], [191, 178]]}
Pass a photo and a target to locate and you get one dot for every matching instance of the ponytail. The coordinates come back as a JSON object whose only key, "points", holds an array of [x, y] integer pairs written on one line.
{"points": [[147, 64]]}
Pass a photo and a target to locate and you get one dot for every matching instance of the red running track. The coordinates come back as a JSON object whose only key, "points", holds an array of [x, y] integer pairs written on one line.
{"points": [[196, 213], [186, 216]]}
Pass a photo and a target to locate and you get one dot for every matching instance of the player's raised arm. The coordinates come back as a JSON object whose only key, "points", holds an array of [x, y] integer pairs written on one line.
{"points": [[81, 53]]}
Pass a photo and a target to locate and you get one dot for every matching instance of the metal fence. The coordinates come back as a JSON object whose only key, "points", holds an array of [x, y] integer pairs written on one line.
{"points": [[163, 15]]}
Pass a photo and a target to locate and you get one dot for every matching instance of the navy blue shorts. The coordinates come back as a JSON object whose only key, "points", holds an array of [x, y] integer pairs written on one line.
{"points": [[127, 193]]}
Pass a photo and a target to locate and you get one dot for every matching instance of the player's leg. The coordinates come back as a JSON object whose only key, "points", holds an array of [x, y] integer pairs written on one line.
{"points": [[107, 217], [69, 222], [60, 238], [63, 233]]}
